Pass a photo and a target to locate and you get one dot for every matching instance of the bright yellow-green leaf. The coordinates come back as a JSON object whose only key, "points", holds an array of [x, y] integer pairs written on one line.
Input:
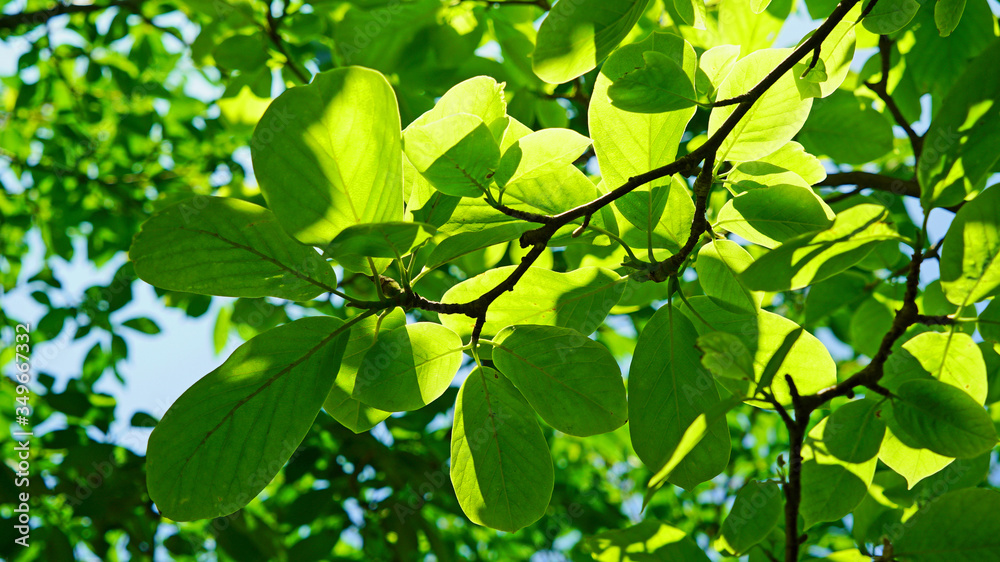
{"points": [[316, 176], [970, 258], [579, 299], [408, 368], [772, 120], [577, 35]]}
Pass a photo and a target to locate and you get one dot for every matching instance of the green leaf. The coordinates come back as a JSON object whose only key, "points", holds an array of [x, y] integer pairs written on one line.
{"points": [[142, 324], [812, 257], [756, 510], [963, 136], [242, 52], [715, 64], [831, 488], [628, 144], [578, 35], [836, 53], [647, 541], [826, 297], [500, 462], [380, 240], [989, 322], [944, 419], [758, 6], [467, 242], [902, 455], [351, 413], [854, 432], [693, 12], [690, 439], [889, 16], [847, 129], [660, 85], [758, 174], [229, 434], [871, 320], [668, 390], [457, 154], [952, 358], [794, 158], [772, 120], [316, 176], [719, 265], [970, 258], [573, 382], [752, 31], [947, 14], [726, 356], [777, 344], [579, 299], [481, 96], [773, 215], [227, 247], [540, 153], [958, 526], [408, 368]]}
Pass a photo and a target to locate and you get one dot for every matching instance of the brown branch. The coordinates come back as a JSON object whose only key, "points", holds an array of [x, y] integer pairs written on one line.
{"points": [[793, 487], [881, 89], [870, 375], [874, 181], [271, 29], [13, 21]]}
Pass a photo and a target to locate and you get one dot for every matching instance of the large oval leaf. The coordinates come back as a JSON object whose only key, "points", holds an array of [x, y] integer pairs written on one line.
{"points": [[573, 382], [667, 390], [227, 436], [944, 419], [328, 155], [579, 299], [540, 153], [773, 215], [500, 462], [812, 257], [778, 346], [950, 357], [381, 240], [756, 510], [970, 258], [772, 120], [227, 247], [352, 413], [831, 488], [457, 154], [408, 367], [628, 144], [719, 266], [959, 526], [647, 541], [961, 141], [577, 35]]}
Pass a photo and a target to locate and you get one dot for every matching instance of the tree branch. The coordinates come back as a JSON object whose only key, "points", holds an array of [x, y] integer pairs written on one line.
{"points": [[12, 22], [272, 32], [881, 89], [874, 181]]}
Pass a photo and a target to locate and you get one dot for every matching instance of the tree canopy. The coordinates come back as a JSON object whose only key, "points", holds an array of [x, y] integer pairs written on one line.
{"points": [[616, 280]]}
